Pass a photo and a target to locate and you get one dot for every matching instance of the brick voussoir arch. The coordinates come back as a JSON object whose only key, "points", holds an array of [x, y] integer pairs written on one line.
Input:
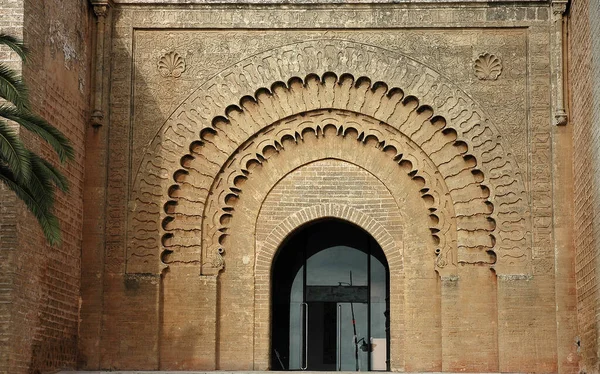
{"points": [[403, 112], [266, 253]]}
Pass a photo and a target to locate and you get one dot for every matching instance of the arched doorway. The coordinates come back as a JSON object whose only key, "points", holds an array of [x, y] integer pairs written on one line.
{"points": [[330, 304]]}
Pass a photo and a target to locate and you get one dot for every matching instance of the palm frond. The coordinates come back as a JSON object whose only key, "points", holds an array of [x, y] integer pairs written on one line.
{"points": [[32, 178], [47, 220], [13, 153], [43, 129], [39, 183], [47, 173], [14, 44], [12, 88]]}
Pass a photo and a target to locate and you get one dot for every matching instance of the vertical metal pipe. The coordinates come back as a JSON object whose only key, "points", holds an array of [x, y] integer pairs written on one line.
{"points": [[339, 336], [368, 338]]}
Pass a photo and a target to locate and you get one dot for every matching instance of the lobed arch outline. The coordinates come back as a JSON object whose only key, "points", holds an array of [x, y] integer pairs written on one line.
{"points": [[408, 157], [266, 253], [415, 163], [505, 184], [423, 125]]}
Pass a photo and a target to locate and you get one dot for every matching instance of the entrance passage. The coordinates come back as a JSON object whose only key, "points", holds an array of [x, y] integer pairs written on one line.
{"points": [[330, 301]]}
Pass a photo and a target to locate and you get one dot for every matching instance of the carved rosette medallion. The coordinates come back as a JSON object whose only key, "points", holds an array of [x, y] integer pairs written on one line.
{"points": [[171, 64], [488, 67]]}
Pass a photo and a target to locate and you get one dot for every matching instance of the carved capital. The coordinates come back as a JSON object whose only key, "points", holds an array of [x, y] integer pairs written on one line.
{"points": [[100, 7], [97, 118], [558, 8], [100, 10], [450, 278], [560, 118], [214, 266]]}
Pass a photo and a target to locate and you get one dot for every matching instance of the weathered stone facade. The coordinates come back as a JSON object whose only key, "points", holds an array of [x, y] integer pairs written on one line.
{"points": [[216, 131], [448, 113]]}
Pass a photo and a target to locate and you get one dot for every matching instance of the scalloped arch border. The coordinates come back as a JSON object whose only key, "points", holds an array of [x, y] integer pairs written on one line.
{"points": [[225, 190], [211, 99]]}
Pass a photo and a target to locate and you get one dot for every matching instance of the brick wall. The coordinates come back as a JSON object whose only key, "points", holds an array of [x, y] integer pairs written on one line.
{"points": [[465, 332], [41, 284], [11, 22], [325, 182], [585, 110]]}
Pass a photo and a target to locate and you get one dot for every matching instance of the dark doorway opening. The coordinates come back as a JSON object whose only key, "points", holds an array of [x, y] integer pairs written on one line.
{"points": [[330, 306]]}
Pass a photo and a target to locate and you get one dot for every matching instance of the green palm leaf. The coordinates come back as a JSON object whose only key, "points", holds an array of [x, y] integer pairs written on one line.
{"points": [[12, 88], [14, 44], [47, 173], [47, 220], [40, 127], [40, 184], [13, 153], [32, 178]]}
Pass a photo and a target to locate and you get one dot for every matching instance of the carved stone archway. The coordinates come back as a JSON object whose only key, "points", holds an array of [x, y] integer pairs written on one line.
{"points": [[234, 201], [217, 157], [438, 188], [201, 110], [431, 153]]}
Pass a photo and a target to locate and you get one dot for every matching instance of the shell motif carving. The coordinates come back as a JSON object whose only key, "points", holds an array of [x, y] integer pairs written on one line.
{"points": [[488, 67], [171, 64]]}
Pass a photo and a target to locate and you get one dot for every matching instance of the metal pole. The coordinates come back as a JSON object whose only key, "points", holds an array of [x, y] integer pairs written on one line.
{"points": [[354, 326], [339, 326]]}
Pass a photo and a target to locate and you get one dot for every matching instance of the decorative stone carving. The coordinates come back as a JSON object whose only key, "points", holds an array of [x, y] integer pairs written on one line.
{"points": [[458, 195], [558, 8], [227, 189], [100, 10], [100, 7], [223, 127], [97, 118], [488, 67], [171, 64], [558, 55]]}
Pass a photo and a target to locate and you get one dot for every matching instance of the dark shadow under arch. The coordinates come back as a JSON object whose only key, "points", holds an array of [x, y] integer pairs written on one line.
{"points": [[329, 277]]}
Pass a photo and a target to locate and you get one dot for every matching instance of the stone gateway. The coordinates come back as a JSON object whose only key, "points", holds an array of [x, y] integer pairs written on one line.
{"points": [[322, 186]]}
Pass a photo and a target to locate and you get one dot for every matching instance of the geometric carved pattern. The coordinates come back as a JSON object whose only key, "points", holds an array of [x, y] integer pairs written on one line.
{"points": [[227, 131]]}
